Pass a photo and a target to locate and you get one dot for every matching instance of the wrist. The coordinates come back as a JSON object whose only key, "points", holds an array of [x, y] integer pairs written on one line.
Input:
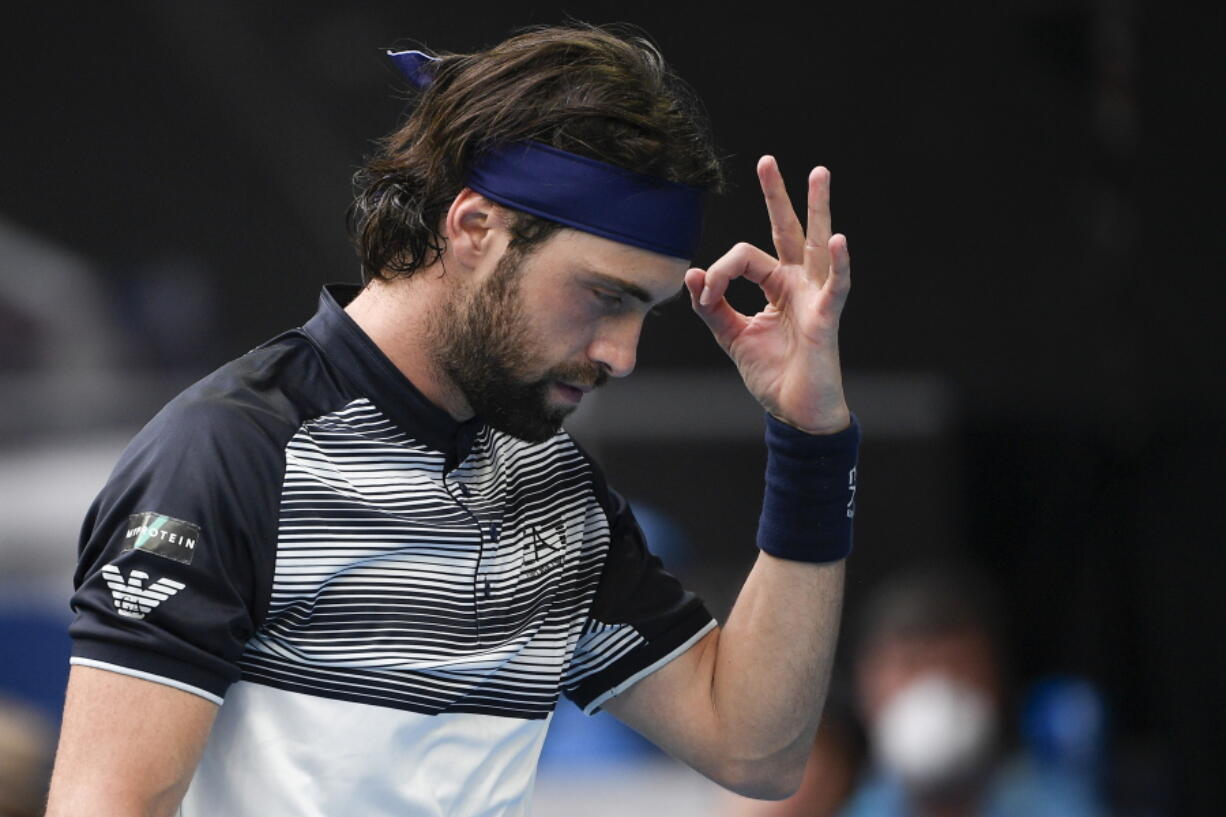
{"points": [[832, 422], [809, 501]]}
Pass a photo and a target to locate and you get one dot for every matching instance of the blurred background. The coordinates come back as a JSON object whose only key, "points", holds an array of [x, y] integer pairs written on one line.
{"points": [[1031, 192]]}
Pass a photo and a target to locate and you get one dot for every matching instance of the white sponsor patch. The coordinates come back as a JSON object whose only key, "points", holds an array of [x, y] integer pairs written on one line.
{"points": [[132, 598]]}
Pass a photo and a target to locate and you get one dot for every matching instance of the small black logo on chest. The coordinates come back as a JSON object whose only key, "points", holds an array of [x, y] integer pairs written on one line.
{"points": [[545, 547]]}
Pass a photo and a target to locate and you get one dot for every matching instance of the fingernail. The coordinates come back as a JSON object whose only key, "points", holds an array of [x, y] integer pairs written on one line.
{"points": [[705, 296]]}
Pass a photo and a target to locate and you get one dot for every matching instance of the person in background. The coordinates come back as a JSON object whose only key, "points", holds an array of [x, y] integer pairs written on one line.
{"points": [[930, 684], [26, 743]]}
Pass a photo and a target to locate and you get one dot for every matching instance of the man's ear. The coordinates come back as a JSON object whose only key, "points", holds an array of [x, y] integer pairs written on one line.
{"points": [[476, 228]]}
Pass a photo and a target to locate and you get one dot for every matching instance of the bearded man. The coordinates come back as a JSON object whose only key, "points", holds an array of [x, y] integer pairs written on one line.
{"points": [[352, 571]]}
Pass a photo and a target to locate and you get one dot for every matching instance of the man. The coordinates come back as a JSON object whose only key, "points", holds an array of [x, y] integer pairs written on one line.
{"points": [[351, 572], [930, 682]]}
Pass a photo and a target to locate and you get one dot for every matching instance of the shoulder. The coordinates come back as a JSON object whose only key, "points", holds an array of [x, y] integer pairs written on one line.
{"points": [[226, 434], [252, 403]]}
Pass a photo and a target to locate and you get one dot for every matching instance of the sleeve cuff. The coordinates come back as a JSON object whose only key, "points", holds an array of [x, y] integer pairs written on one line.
{"points": [[597, 689], [149, 666]]}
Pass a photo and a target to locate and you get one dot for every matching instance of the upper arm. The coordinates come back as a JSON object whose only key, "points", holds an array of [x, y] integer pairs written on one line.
{"points": [[641, 618], [175, 565], [673, 708], [127, 745], [648, 648], [177, 550]]}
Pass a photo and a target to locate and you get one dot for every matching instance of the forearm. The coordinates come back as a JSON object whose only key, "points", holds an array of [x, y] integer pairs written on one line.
{"points": [[772, 661], [743, 706], [771, 664]]}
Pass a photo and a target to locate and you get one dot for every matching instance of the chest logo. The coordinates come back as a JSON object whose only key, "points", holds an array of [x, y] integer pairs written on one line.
{"points": [[132, 598], [545, 547]]}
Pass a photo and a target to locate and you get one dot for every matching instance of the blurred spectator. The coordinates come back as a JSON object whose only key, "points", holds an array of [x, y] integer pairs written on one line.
{"points": [[25, 760], [1064, 726], [930, 685]]}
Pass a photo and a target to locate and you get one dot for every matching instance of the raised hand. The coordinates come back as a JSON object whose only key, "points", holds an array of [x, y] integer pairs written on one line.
{"points": [[787, 354]]}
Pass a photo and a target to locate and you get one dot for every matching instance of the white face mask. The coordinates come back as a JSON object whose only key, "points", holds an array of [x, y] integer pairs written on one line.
{"points": [[935, 731]]}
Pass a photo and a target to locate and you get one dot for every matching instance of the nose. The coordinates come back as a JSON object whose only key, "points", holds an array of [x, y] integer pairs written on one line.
{"points": [[615, 347]]}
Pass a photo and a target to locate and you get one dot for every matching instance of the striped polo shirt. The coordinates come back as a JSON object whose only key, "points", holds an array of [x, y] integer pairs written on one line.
{"points": [[385, 603]]}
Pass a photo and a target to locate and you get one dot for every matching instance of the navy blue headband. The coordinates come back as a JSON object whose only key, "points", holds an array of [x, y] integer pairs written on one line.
{"points": [[586, 194]]}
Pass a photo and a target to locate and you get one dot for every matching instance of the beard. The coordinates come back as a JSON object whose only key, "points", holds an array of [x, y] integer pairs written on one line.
{"points": [[484, 343]]}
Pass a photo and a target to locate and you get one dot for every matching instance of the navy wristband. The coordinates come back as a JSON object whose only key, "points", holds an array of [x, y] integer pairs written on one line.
{"points": [[810, 496]]}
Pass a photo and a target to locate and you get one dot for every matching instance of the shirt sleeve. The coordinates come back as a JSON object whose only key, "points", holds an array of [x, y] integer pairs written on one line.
{"points": [[176, 552], [641, 619]]}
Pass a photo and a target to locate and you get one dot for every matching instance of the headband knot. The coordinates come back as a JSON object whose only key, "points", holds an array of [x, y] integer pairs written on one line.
{"points": [[417, 67]]}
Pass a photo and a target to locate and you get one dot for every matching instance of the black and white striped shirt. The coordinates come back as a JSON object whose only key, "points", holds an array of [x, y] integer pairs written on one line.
{"points": [[385, 603]]}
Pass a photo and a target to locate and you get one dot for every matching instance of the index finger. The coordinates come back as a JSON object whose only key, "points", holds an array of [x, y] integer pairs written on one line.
{"points": [[786, 233], [817, 236]]}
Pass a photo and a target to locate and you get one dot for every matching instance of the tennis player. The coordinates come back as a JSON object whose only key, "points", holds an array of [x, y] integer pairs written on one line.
{"points": [[352, 571]]}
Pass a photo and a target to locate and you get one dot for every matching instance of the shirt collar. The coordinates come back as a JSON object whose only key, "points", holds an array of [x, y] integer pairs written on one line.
{"points": [[363, 365]]}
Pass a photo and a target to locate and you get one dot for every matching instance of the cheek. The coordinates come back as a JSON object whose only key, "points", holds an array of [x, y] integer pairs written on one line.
{"points": [[568, 330]]}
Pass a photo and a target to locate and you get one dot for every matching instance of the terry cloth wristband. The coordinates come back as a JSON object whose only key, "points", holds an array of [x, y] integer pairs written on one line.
{"points": [[810, 493]]}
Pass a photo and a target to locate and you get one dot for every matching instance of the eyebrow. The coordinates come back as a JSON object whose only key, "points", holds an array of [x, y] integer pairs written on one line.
{"points": [[633, 290]]}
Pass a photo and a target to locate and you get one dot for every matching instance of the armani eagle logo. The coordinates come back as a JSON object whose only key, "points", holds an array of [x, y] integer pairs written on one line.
{"points": [[547, 548], [132, 598]]}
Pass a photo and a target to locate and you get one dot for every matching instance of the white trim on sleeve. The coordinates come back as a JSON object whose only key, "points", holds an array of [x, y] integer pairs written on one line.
{"points": [[591, 708], [148, 676]]}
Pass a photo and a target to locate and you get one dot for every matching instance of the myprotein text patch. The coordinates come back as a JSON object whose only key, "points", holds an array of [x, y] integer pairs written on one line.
{"points": [[162, 535]]}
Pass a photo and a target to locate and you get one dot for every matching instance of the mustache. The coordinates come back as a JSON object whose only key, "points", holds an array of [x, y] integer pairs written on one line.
{"points": [[580, 374]]}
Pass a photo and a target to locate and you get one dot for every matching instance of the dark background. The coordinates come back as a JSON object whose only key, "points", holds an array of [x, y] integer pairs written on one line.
{"points": [[1031, 192]]}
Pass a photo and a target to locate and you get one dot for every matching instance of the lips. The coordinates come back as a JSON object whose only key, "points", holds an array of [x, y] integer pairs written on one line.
{"points": [[572, 393]]}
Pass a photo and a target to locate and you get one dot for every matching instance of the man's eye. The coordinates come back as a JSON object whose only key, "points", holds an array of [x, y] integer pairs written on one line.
{"points": [[608, 299]]}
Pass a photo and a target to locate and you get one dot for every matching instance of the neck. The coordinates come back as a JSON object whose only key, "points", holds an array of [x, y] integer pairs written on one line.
{"points": [[399, 316]]}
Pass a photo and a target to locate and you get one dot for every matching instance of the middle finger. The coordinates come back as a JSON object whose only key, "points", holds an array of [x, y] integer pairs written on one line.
{"points": [[817, 236]]}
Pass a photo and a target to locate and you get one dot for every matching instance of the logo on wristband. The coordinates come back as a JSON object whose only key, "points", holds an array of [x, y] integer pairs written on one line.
{"points": [[851, 486]]}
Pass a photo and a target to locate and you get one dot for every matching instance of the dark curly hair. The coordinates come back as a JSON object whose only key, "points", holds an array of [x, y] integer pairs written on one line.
{"points": [[601, 92]]}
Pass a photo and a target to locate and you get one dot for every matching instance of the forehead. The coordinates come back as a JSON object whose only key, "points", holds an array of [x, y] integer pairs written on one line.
{"points": [[641, 273], [965, 654]]}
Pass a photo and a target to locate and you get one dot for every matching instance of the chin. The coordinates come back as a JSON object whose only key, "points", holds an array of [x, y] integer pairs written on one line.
{"points": [[525, 410], [535, 429]]}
